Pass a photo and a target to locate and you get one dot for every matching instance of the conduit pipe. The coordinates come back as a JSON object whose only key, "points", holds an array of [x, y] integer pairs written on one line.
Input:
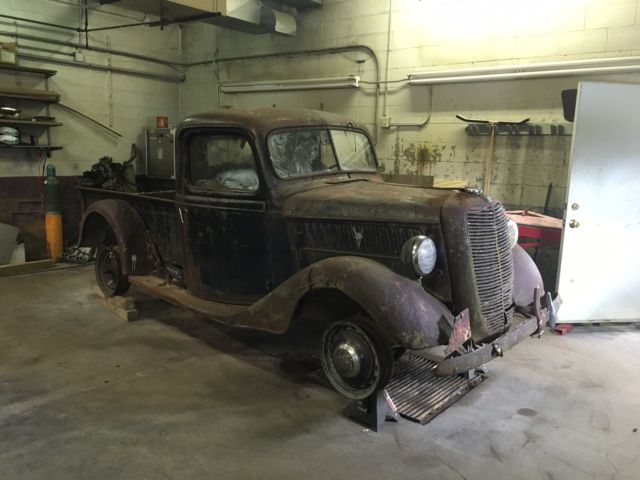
{"points": [[385, 105], [322, 51], [421, 123]]}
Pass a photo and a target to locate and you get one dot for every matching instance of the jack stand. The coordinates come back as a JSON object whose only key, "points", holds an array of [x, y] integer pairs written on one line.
{"points": [[562, 328], [473, 373], [373, 411]]}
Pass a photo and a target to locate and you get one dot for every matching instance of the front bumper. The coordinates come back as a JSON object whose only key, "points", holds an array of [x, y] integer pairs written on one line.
{"points": [[534, 324]]}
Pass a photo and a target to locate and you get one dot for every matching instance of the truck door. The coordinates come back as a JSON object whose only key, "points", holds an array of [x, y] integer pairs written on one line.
{"points": [[222, 211]]}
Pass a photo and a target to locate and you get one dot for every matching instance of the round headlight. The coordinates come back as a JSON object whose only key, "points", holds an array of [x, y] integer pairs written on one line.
{"points": [[513, 232], [420, 253]]}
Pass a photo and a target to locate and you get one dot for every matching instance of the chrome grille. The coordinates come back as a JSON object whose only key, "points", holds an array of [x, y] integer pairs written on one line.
{"points": [[492, 264], [373, 239]]}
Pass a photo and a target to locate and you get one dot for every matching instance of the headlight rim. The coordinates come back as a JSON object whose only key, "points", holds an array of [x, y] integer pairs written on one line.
{"points": [[512, 226], [410, 254]]}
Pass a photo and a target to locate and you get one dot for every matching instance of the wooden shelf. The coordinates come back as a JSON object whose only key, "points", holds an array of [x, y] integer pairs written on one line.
{"points": [[23, 121], [33, 147], [33, 98], [12, 67], [43, 97]]}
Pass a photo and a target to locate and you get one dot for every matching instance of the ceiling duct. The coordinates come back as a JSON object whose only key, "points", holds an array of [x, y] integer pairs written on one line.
{"points": [[277, 21], [300, 4], [250, 16]]}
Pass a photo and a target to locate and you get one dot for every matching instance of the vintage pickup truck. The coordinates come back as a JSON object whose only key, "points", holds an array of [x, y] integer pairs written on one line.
{"points": [[281, 219]]}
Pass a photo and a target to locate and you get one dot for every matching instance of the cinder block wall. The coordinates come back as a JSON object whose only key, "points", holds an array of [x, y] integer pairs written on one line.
{"points": [[127, 103], [429, 35]]}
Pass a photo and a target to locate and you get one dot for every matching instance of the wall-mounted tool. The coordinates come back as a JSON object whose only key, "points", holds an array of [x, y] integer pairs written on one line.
{"points": [[492, 126]]}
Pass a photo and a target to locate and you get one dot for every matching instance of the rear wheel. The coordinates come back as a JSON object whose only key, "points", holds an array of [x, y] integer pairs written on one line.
{"points": [[109, 275], [355, 358]]}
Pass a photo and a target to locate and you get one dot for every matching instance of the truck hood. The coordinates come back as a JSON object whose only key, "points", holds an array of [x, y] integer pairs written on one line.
{"points": [[368, 201]]}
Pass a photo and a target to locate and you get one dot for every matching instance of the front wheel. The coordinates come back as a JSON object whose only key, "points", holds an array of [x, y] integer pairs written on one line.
{"points": [[109, 275], [355, 358]]}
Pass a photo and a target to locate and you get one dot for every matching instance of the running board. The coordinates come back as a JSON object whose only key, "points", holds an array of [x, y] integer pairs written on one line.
{"points": [[180, 297], [417, 393]]}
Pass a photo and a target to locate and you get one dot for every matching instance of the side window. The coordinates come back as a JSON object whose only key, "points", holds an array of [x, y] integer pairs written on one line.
{"points": [[222, 162]]}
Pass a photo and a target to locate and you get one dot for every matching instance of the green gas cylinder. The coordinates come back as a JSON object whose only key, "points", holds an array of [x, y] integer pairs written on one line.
{"points": [[53, 214]]}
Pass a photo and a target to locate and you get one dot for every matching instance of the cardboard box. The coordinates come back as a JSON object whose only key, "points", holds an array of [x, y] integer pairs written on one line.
{"points": [[8, 53]]}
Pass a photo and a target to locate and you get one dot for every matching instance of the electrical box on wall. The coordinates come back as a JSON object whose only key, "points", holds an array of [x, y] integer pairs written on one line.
{"points": [[160, 153]]}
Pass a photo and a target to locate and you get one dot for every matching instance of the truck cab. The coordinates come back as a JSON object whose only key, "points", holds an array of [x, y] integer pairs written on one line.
{"points": [[280, 217]]}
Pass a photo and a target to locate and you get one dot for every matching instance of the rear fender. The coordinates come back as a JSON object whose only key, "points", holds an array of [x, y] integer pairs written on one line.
{"points": [[402, 311], [116, 217]]}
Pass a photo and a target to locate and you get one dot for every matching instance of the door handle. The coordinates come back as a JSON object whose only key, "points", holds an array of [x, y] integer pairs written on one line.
{"points": [[181, 214]]}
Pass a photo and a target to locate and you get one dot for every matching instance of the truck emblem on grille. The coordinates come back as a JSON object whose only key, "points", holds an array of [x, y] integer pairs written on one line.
{"points": [[357, 236]]}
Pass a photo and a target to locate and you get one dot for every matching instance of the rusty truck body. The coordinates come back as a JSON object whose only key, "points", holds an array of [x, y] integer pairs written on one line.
{"points": [[280, 217]]}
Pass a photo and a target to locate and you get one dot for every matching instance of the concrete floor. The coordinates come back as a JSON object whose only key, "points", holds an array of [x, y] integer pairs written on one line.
{"points": [[85, 395]]}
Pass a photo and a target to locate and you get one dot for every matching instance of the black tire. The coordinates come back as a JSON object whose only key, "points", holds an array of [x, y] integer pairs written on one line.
{"points": [[109, 274], [398, 352], [355, 358]]}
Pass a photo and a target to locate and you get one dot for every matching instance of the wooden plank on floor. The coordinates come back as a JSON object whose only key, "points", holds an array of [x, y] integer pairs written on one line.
{"points": [[22, 268]]}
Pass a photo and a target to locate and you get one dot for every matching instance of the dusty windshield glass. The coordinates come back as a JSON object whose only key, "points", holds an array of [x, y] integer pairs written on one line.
{"points": [[302, 152]]}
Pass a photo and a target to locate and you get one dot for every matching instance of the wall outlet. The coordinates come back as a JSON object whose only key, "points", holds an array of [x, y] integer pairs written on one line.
{"points": [[78, 56], [385, 122]]}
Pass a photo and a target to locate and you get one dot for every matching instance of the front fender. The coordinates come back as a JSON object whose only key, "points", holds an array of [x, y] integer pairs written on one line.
{"points": [[403, 312], [129, 231], [526, 278]]}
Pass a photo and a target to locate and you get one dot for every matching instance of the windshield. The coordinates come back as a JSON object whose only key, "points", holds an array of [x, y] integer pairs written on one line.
{"points": [[302, 152]]}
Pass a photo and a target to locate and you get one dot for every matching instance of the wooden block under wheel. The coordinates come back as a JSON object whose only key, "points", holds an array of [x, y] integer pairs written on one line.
{"points": [[123, 307]]}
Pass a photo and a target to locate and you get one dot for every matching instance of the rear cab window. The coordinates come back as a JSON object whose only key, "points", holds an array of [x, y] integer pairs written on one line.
{"points": [[222, 162]]}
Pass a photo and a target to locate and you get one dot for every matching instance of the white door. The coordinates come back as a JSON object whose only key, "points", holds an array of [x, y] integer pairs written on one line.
{"points": [[599, 275]]}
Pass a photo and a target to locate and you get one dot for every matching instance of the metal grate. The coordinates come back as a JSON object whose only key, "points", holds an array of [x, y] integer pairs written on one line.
{"points": [[417, 393], [360, 238], [492, 264]]}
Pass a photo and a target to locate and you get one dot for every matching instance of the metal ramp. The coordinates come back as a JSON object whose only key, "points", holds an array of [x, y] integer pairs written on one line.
{"points": [[416, 392]]}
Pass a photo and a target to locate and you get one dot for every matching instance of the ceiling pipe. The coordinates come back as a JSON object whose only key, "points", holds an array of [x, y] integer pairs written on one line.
{"points": [[105, 68], [567, 72], [45, 24], [110, 51], [45, 50]]}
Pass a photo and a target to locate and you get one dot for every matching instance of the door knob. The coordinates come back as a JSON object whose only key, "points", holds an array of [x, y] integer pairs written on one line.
{"points": [[574, 223]]}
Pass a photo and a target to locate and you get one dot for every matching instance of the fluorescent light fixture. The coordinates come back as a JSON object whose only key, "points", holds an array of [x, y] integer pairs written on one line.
{"points": [[351, 81], [593, 66]]}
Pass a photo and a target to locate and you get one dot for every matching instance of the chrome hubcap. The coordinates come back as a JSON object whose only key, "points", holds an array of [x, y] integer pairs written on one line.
{"points": [[350, 360], [346, 360]]}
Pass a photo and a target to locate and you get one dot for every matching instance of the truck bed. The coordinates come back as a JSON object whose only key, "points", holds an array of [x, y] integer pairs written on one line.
{"points": [[157, 210]]}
